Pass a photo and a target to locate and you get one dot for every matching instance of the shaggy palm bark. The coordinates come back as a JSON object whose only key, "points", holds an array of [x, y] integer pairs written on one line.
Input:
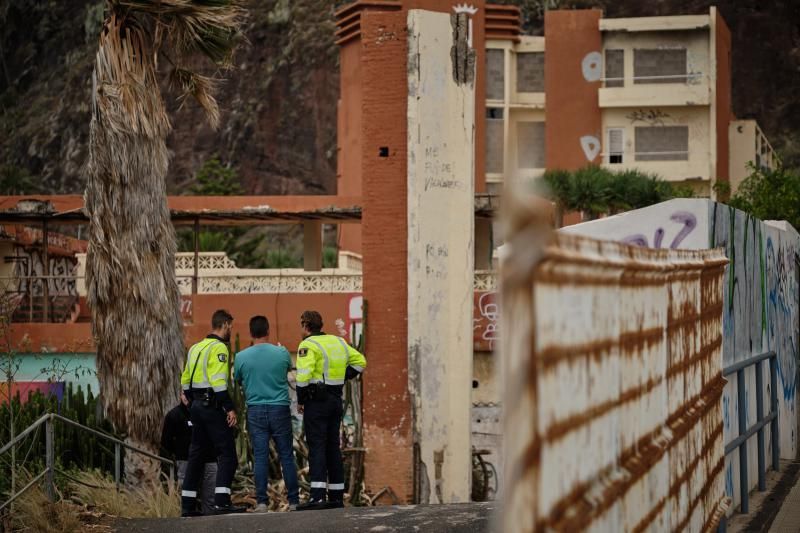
{"points": [[130, 269]]}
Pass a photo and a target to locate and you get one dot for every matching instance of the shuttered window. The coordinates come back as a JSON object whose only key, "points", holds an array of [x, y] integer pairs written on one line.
{"points": [[616, 145]]}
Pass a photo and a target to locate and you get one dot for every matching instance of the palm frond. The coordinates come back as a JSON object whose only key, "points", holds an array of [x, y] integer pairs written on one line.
{"points": [[202, 88], [209, 27], [125, 77]]}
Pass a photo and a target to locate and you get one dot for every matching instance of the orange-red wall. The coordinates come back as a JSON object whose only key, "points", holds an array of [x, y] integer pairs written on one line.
{"points": [[572, 110], [349, 136], [351, 92], [282, 310], [387, 406], [724, 113]]}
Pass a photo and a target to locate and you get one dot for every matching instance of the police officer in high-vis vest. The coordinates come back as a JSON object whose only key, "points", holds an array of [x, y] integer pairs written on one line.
{"points": [[205, 383], [324, 362]]}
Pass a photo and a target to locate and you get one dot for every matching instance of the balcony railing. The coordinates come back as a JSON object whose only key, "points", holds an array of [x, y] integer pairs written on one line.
{"points": [[687, 78]]}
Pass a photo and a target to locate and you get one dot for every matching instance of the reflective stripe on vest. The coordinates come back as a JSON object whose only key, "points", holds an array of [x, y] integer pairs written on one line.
{"points": [[203, 353], [325, 360]]}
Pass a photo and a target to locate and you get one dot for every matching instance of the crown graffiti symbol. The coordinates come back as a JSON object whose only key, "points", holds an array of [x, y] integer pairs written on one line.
{"points": [[464, 8]]}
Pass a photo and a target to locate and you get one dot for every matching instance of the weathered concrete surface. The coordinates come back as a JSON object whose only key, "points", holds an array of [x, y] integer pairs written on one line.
{"points": [[760, 304], [441, 189], [458, 518], [613, 373]]}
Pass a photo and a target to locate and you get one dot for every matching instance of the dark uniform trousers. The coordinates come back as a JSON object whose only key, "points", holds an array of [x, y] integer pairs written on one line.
{"points": [[322, 418], [209, 424]]}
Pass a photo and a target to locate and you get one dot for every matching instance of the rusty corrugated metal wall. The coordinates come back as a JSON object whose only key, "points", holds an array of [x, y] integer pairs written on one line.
{"points": [[612, 357]]}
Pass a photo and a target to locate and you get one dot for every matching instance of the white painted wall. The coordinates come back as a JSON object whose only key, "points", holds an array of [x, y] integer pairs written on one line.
{"points": [[761, 308], [678, 224], [695, 118], [441, 193]]}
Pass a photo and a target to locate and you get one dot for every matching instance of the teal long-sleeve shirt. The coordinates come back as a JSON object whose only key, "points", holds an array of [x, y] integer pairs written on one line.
{"points": [[262, 370]]}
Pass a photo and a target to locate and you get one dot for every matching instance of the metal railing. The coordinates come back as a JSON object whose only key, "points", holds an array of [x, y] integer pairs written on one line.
{"points": [[745, 433], [50, 469]]}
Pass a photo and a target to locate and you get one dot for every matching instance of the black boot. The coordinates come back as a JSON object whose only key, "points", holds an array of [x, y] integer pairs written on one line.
{"points": [[312, 505], [189, 507], [229, 509]]}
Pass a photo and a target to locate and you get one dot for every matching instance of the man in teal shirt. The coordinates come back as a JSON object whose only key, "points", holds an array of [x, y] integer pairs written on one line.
{"points": [[262, 370]]}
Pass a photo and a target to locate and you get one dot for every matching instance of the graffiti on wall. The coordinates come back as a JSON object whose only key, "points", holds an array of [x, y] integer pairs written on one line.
{"points": [[782, 308], [592, 66], [29, 263], [484, 321], [29, 283], [684, 223], [760, 308], [651, 117]]}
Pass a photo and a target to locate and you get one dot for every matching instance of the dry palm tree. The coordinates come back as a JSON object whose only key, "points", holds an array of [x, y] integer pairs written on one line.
{"points": [[130, 271]]}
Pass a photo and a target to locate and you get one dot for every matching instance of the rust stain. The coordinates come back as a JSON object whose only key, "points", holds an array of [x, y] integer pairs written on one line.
{"points": [[679, 296], [709, 443], [686, 364], [631, 341], [645, 522], [703, 492], [637, 459], [561, 428]]}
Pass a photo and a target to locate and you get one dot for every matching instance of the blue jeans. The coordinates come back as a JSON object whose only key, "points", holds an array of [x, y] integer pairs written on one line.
{"points": [[263, 422]]}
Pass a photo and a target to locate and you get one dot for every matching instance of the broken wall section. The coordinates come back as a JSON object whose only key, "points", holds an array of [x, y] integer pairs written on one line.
{"points": [[613, 365]]}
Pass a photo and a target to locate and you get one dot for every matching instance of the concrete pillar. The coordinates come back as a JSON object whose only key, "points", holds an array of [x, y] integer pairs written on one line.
{"points": [[312, 245], [441, 196]]}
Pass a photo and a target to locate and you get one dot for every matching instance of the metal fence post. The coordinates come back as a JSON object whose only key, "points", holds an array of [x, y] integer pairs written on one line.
{"points": [[773, 380], [49, 484], [117, 465], [743, 485], [762, 477]]}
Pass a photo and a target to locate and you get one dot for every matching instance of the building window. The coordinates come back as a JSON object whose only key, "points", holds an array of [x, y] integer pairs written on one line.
{"points": [[530, 72], [495, 74], [662, 143], [615, 68], [494, 140], [530, 145], [615, 145], [661, 65]]}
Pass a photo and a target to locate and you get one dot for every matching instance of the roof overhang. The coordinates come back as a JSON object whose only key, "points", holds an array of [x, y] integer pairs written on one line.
{"points": [[212, 210], [637, 24]]}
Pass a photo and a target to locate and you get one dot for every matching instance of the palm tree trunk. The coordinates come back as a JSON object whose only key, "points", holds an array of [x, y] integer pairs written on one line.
{"points": [[130, 268]]}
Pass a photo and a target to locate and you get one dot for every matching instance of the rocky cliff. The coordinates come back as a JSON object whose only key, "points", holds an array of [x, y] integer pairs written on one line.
{"points": [[279, 107]]}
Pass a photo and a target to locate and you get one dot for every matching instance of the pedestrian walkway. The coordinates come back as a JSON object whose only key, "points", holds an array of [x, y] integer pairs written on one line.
{"points": [[788, 518], [455, 518], [772, 510]]}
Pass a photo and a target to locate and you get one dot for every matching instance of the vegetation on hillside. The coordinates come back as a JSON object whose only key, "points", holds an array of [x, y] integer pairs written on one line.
{"points": [[265, 246], [770, 195], [278, 110]]}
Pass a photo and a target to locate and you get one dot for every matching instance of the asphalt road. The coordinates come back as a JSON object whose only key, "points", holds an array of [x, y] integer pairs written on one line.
{"points": [[457, 518]]}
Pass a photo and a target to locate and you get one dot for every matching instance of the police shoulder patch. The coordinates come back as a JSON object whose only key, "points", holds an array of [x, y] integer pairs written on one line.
{"points": [[302, 352], [221, 356]]}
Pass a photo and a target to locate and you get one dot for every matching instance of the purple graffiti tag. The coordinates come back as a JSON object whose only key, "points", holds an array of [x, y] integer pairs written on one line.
{"points": [[658, 238], [689, 222], [636, 240], [686, 218]]}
